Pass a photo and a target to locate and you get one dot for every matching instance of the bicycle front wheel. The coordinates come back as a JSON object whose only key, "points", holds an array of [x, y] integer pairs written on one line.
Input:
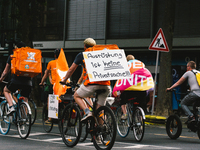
{"points": [[138, 125], [71, 125], [104, 136], [33, 111], [123, 126], [24, 122], [85, 125], [47, 126], [4, 119]]}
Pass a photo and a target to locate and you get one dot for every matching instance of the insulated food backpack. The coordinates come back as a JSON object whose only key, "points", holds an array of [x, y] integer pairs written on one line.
{"points": [[26, 62]]}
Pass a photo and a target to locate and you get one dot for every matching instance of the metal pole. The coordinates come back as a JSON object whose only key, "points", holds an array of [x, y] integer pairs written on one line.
{"points": [[64, 28], [155, 80]]}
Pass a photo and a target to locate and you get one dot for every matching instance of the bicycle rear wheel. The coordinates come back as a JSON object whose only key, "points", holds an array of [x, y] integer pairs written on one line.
{"points": [[47, 126], [138, 125], [33, 111], [24, 122], [104, 134], [4, 119], [123, 126], [71, 125]]}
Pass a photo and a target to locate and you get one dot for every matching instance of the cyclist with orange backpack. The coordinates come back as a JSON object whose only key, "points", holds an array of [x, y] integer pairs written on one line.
{"points": [[16, 82]]}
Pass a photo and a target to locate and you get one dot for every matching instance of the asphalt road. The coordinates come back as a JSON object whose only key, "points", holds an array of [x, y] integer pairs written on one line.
{"points": [[155, 138]]}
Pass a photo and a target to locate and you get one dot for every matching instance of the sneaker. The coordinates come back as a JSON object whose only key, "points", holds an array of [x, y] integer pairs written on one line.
{"points": [[124, 117], [190, 119], [48, 121], [98, 140], [22, 128], [86, 116], [11, 110]]}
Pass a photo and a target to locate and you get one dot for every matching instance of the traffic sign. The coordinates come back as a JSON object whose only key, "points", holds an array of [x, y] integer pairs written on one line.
{"points": [[159, 43]]}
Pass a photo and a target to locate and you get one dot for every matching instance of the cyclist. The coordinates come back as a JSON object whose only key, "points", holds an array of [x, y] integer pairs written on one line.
{"points": [[16, 82], [194, 87], [125, 94], [51, 71], [87, 88]]}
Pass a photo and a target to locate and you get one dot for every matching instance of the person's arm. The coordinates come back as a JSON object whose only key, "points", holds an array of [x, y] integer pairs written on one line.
{"points": [[179, 82], [50, 78], [69, 72], [5, 72], [46, 74], [80, 80]]}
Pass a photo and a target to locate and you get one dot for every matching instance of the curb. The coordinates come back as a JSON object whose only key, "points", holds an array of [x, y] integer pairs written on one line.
{"points": [[155, 119]]}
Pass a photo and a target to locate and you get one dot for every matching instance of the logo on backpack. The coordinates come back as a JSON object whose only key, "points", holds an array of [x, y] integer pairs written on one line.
{"points": [[31, 57]]}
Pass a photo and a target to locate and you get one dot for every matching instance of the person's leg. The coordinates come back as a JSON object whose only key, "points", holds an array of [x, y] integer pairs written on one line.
{"points": [[8, 96], [188, 100]]}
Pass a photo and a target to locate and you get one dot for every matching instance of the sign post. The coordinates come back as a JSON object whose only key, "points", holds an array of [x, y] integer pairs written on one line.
{"points": [[159, 44]]}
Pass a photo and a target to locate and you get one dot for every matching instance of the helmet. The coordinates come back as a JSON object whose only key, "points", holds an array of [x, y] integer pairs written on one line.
{"points": [[56, 52]]}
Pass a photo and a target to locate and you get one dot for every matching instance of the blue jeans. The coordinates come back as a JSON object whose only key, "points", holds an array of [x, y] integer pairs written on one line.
{"points": [[189, 99]]}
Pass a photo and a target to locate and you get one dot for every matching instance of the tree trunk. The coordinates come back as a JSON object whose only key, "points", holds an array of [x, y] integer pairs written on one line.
{"points": [[164, 100]]}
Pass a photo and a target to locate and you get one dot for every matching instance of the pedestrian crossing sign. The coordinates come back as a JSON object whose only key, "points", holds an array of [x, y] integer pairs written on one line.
{"points": [[159, 42]]}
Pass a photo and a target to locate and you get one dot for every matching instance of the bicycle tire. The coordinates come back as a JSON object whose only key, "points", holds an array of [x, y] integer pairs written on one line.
{"points": [[139, 124], [123, 126], [173, 126], [106, 132], [71, 125], [46, 126], [33, 111], [24, 122], [84, 132], [198, 130], [4, 119]]}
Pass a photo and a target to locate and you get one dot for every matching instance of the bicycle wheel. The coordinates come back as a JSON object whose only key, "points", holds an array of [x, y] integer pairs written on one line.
{"points": [[138, 125], [71, 125], [123, 126], [61, 108], [4, 119], [104, 134], [84, 132], [33, 111], [173, 126], [24, 122], [46, 125]]}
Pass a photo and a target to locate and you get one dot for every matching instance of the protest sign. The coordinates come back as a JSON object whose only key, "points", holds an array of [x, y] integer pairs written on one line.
{"points": [[106, 65], [53, 106]]}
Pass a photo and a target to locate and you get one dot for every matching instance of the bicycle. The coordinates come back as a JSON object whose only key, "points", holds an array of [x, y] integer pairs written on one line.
{"points": [[102, 126], [21, 118], [135, 120], [174, 124], [32, 105], [64, 100]]}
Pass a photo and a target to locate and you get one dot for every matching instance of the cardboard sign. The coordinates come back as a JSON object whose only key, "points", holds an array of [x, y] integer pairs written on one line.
{"points": [[106, 65], [53, 106]]}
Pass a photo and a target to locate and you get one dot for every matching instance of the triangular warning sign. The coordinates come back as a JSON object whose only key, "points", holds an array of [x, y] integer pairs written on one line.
{"points": [[159, 43]]}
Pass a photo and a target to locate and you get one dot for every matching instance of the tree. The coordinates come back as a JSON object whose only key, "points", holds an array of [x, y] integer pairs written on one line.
{"points": [[164, 101]]}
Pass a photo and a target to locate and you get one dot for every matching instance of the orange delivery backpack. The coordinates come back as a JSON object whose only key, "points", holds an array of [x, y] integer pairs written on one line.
{"points": [[26, 62]]}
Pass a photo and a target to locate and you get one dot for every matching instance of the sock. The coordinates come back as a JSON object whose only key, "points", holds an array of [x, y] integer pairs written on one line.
{"points": [[86, 110]]}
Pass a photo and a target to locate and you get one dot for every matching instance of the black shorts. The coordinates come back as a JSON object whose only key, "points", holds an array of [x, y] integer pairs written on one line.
{"points": [[135, 96], [25, 89]]}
